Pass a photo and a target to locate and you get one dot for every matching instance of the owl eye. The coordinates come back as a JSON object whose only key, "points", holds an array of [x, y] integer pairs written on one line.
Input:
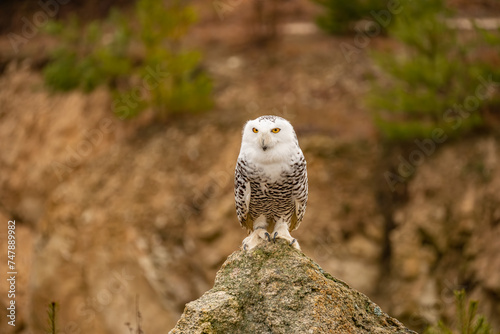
{"points": [[275, 130], [255, 130]]}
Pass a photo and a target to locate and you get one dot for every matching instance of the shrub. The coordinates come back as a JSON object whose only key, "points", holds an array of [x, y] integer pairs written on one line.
{"points": [[84, 60], [166, 77], [340, 16], [51, 318], [467, 320], [433, 83]]}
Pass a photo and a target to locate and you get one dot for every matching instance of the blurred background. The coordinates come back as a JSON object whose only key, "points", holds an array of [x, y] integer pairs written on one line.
{"points": [[120, 125]]}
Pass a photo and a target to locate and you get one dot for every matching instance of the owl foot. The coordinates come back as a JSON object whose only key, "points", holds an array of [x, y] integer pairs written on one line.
{"points": [[283, 233], [258, 236]]}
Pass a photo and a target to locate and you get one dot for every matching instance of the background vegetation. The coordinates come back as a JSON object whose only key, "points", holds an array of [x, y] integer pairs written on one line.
{"points": [[433, 82], [164, 76], [467, 320], [340, 17], [426, 83]]}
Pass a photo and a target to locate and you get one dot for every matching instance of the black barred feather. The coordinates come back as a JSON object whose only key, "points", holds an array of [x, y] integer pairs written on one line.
{"points": [[257, 195]]}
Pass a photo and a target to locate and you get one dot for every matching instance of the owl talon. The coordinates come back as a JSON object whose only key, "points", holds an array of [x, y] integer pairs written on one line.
{"points": [[294, 240], [259, 235], [268, 236], [274, 237]]}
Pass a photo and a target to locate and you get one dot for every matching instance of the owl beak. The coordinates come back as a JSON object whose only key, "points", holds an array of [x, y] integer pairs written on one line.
{"points": [[264, 141]]}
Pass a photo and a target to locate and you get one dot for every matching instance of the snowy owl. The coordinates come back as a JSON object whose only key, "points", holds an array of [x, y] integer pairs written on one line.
{"points": [[270, 185]]}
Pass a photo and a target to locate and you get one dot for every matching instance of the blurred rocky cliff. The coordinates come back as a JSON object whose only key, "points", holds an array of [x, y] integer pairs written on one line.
{"points": [[108, 210]]}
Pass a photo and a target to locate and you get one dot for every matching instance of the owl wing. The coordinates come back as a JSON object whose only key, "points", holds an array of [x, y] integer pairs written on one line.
{"points": [[299, 192], [242, 193]]}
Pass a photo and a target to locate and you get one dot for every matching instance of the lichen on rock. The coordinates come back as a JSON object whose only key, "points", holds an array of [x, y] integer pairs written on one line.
{"points": [[277, 289]]}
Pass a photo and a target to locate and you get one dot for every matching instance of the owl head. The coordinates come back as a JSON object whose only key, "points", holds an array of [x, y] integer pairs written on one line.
{"points": [[269, 135]]}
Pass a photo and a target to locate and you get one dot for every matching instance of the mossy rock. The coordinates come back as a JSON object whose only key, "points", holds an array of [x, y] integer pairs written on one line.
{"points": [[277, 289]]}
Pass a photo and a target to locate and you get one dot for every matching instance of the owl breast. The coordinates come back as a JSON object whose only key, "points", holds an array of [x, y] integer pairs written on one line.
{"points": [[276, 191], [272, 193]]}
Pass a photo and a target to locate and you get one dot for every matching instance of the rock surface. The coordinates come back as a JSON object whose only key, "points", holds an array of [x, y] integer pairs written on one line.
{"points": [[277, 289]]}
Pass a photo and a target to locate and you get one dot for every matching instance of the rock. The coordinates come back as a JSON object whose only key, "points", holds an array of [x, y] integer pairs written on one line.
{"points": [[277, 289]]}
